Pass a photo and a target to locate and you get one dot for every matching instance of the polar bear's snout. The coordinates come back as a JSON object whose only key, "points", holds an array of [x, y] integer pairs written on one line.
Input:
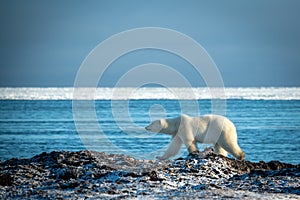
{"points": [[154, 126], [147, 128], [151, 128]]}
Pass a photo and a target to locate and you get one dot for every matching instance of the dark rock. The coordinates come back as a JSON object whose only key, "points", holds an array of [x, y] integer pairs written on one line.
{"points": [[153, 176], [6, 179], [66, 174]]}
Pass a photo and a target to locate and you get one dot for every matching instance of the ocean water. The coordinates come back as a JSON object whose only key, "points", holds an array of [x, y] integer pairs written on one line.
{"points": [[34, 120]]}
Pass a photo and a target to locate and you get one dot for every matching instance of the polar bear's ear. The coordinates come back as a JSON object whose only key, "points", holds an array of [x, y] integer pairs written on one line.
{"points": [[162, 123]]}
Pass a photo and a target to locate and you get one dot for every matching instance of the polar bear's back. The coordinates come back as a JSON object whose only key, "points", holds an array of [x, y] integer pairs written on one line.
{"points": [[221, 121], [206, 119], [218, 122]]}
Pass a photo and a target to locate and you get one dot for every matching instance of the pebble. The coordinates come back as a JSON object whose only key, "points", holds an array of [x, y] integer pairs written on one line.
{"points": [[88, 174]]}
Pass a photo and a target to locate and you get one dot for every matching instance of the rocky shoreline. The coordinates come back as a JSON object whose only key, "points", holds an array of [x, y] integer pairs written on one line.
{"points": [[88, 174]]}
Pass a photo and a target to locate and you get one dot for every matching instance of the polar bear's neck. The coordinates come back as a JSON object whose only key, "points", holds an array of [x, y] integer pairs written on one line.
{"points": [[171, 126]]}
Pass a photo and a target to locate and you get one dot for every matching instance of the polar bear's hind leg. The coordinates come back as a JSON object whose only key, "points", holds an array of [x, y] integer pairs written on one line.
{"points": [[228, 142], [234, 150]]}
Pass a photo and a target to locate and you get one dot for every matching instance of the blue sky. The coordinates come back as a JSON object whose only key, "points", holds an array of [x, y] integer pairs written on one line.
{"points": [[253, 43]]}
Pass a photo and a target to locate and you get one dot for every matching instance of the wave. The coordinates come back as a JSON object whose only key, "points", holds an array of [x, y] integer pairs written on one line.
{"points": [[69, 93]]}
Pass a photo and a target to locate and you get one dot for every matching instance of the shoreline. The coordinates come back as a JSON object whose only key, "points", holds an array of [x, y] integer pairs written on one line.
{"points": [[150, 93], [89, 174]]}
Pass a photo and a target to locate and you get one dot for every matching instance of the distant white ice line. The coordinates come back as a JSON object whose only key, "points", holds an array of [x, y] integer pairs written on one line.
{"points": [[67, 93]]}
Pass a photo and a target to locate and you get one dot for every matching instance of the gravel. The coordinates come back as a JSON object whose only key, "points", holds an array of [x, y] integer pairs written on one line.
{"points": [[93, 175]]}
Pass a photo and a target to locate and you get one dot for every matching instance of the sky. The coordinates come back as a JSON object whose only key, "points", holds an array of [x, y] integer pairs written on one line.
{"points": [[253, 43]]}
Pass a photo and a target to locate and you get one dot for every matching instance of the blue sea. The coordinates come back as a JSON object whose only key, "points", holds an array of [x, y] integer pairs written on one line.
{"points": [[33, 121]]}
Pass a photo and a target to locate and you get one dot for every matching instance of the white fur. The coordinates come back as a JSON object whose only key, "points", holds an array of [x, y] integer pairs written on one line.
{"points": [[213, 129]]}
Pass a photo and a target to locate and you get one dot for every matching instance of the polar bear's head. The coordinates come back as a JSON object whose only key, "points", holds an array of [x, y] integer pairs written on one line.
{"points": [[157, 126], [167, 126]]}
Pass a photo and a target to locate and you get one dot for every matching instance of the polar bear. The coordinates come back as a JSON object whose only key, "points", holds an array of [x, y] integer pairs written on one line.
{"points": [[208, 129]]}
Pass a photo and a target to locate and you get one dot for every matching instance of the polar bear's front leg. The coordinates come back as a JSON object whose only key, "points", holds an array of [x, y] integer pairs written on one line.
{"points": [[188, 139], [173, 148]]}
